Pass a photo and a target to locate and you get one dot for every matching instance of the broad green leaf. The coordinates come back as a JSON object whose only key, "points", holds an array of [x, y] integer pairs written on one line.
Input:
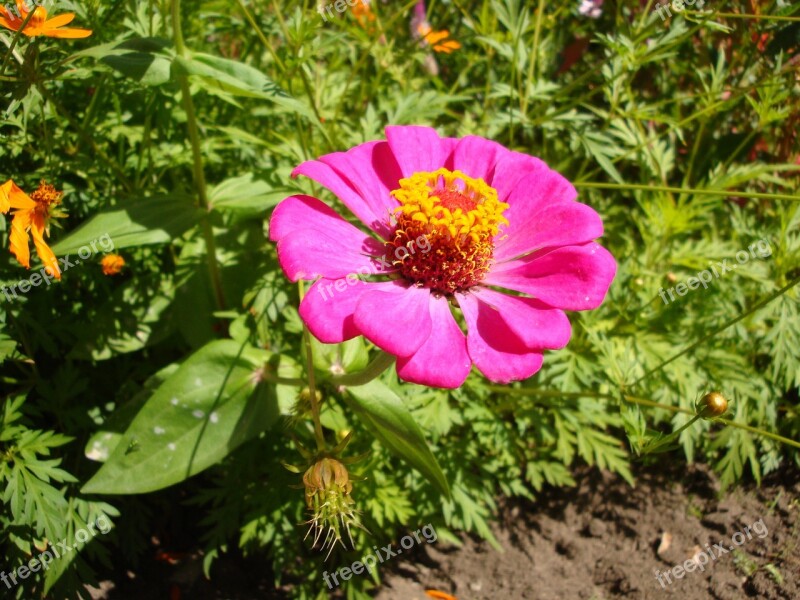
{"points": [[138, 59], [239, 79], [246, 194], [384, 413], [204, 411], [139, 222], [102, 444]]}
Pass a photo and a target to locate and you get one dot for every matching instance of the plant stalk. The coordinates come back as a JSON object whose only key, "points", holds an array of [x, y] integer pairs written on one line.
{"points": [[197, 160]]}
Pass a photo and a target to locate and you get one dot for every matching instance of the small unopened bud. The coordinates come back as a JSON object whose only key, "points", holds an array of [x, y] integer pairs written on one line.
{"points": [[328, 488], [712, 404], [302, 407]]}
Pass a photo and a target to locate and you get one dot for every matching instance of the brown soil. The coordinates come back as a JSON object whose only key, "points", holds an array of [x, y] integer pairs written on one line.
{"points": [[601, 540]]}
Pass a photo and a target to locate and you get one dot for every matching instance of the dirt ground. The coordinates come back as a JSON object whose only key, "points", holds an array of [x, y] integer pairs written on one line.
{"points": [[605, 540], [601, 540]]}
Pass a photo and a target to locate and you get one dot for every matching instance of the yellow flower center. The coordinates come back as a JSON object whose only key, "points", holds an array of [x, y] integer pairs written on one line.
{"points": [[45, 197], [446, 224]]}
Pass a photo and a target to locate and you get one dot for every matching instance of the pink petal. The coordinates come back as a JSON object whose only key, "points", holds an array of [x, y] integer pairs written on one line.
{"points": [[396, 319], [328, 311], [494, 348], [306, 212], [373, 172], [416, 148], [537, 325], [361, 178], [476, 157], [311, 253], [571, 278], [559, 224], [442, 361], [512, 168], [531, 190]]}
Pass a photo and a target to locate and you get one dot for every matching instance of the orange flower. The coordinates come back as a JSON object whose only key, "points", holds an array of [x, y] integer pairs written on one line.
{"points": [[363, 13], [112, 264], [437, 595], [39, 24], [33, 215], [434, 37]]}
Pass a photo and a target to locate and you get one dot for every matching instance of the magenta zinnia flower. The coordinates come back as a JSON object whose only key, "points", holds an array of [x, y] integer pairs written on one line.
{"points": [[457, 227]]}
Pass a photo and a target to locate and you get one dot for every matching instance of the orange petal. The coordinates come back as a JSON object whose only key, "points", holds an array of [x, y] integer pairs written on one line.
{"points": [[19, 237], [447, 47], [13, 197], [22, 9], [436, 36], [59, 21], [45, 253], [5, 193], [67, 33], [437, 595], [12, 25]]}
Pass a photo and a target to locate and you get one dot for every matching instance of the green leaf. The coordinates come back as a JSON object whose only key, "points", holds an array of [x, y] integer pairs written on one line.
{"points": [[337, 359], [102, 444], [136, 316], [7, 347], [138, 222], [246, 194], [138, 59], [239, 79], [384, 413], [205, 410]]}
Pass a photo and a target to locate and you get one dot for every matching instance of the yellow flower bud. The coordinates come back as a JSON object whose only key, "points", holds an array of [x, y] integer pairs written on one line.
{"points": [[712, 404]]}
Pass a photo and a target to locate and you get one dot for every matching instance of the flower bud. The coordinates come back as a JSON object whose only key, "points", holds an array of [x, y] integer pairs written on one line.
{"points": [[328, 488], [712, 404]]}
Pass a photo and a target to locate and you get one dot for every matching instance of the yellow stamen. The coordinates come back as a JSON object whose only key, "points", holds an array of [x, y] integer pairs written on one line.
{"points": [[459, 216]]}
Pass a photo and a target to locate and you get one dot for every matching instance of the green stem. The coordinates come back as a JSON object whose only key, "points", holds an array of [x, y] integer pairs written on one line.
{"points": [[678, 190], [769, 434], [720, 329], [641, 402], [729, 15], [315, 408], [282, 380], [197, 159], [534, 55], [14, 41], [261, 36], [382, 362]]}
